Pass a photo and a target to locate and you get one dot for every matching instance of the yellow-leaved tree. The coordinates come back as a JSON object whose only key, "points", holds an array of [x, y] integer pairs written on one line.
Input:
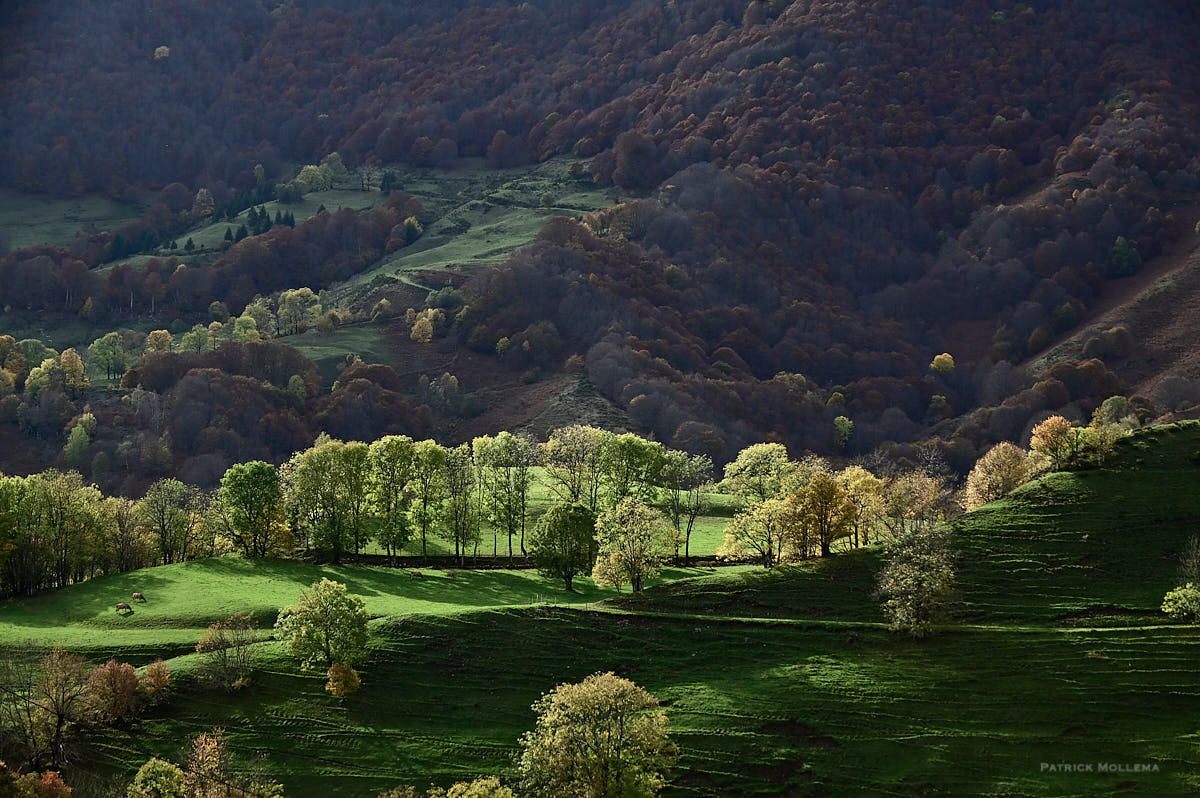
{"points": [[602, 737]]}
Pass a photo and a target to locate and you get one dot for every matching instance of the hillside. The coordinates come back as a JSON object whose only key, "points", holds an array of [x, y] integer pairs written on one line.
{"points": [[796, 232], [776, 683]]}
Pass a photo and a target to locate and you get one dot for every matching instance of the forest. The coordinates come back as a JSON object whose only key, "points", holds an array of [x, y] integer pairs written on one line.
{"points": [[795, 234]]}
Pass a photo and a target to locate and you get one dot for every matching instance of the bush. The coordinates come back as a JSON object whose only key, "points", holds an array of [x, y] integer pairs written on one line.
{"points": [[1183, 603], [343, 680], [224, 649], [156, 678], [916, 581], [112, 691], [157, 779]]}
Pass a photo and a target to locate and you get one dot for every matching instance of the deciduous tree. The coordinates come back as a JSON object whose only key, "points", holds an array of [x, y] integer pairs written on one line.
{"points": [[326, 625], [505, 463], [563, 542], [1053, 440], [573, 459], [1001, 470], [758, 472], [428, 488], [249, 508], [390, 463], [916, 581], [824, 511], [600, 738], [634, 539], [761, 532], [224, 651], [112, 691]]}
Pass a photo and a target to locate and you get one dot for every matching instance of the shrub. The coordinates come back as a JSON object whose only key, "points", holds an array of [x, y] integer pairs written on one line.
{"points": [[156, 678], [1183, 603], [112, 691], [343, 680], [225, 651], [916, 581], [157, 779]]}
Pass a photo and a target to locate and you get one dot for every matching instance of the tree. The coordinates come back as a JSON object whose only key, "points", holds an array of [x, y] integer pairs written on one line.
{"points": [[487, 787], [327, 493], [505, 463], [1124, 258], [865, 492], [326, 625], [59, 696], [1052, 440], [108, 353], [683, 478], [155, 680], [224, 651], [843, 428], [159, 341], [171, 511], [428, 487], [573, 459], [1001, 470], [1183, 603], [916, 581], [824, 511], [299, 309], [461, 511], [245, 329], [758, 472], [563, 542], [1102, 435], [207, 765], [634, 539], [761, 531], [73, 371], [422, 330], [912, 501], [943, 364], [77, 445], [390, 467], [112, 691], [629, 466], [249, 508], [157, 779], [601, 738]]}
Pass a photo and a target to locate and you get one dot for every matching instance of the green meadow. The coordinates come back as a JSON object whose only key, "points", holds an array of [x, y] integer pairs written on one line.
{"points": [[30, 219], [781, 682]]}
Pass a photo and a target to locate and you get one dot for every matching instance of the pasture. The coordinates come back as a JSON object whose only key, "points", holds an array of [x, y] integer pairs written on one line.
{"points": [[781, 682], [29, 219], [182, 599]]}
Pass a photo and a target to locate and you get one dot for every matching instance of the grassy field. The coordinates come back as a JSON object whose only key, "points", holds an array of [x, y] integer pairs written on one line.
{"points": [[483, 215], [184, 598], [30, 219], [368, 341], [776, 683]]}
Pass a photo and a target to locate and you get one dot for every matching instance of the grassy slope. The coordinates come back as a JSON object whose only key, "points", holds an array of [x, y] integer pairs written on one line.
{"points": [[814, 698], [483, 215], [184, 598], [30, 219]]}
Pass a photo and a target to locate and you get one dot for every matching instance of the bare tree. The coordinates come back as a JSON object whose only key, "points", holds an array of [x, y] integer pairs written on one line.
{"points": [[1189, 562]]}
